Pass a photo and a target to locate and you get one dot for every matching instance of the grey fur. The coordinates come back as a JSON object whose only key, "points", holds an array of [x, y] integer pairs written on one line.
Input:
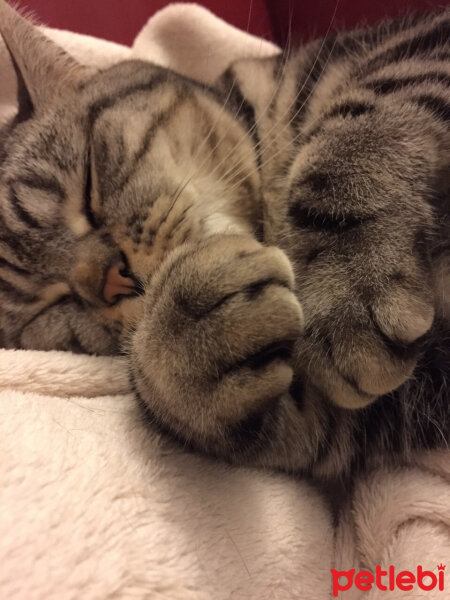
{"points": [[288, 229]]}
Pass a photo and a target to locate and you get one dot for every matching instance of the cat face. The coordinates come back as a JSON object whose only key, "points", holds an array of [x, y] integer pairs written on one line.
{"points": [[116, 167]]}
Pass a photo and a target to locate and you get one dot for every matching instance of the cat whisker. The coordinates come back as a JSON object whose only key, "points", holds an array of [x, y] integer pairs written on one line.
{"points": [[276, 125]]}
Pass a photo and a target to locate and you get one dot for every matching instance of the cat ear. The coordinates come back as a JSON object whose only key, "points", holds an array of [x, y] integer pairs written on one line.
{"points": [[43, 69]]}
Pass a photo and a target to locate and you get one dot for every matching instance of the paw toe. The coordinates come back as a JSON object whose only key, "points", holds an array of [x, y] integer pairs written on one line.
{"points": [[404, 317]]}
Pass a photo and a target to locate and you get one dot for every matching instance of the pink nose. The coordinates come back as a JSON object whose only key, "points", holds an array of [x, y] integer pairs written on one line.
{"points": [[116, 284]]}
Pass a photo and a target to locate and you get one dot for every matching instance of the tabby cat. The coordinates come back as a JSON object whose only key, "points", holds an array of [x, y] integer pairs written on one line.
{"points": [[271, 253]]}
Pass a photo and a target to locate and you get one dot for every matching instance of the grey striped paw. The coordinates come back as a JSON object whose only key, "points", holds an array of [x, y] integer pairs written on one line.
{"points": [[367, 344], [215, 340]]}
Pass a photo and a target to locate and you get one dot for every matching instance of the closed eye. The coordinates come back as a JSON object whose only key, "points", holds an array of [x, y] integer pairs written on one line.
{"points": [[87, 197]]}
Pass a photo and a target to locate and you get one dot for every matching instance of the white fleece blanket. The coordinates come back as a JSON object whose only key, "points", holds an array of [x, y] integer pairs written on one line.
{"points": [[95, 506]]}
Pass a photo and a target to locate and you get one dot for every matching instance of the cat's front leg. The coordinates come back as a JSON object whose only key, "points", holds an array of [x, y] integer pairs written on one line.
{"points": [[361, 227], [213, 348]]}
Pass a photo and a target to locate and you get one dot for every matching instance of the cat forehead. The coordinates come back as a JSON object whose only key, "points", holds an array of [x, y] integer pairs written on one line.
{"points": [[117, 86], [129, 79], [116, 106], [130, 87]]}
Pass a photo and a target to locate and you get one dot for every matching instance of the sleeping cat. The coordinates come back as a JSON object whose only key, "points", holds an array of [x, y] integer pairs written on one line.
{"points": [[271, 254]]}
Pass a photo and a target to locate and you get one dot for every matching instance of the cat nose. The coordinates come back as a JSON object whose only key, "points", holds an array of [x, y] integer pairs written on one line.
{"points": [[117, 284]]}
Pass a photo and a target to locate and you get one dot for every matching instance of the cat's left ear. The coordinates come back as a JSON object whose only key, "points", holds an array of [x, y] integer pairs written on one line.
{"points": [[44, 70]]}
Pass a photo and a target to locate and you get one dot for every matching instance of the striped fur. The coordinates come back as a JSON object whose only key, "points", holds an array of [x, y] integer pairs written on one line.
{"points": [[288, 231]]}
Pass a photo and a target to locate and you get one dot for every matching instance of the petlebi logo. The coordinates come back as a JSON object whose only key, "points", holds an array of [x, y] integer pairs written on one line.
{"points": [[390, 579]]}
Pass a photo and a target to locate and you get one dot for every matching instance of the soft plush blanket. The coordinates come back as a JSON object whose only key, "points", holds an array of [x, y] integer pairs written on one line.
{"points": [[93, 505]]}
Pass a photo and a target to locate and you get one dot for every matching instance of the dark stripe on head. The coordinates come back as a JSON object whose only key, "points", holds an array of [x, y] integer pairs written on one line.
{"points": [[107, 102], [37, 181], [162, 119]]}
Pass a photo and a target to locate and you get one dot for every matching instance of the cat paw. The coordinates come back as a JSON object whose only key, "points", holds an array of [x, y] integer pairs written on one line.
{"points": [[364, 349], [215, 340]]}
